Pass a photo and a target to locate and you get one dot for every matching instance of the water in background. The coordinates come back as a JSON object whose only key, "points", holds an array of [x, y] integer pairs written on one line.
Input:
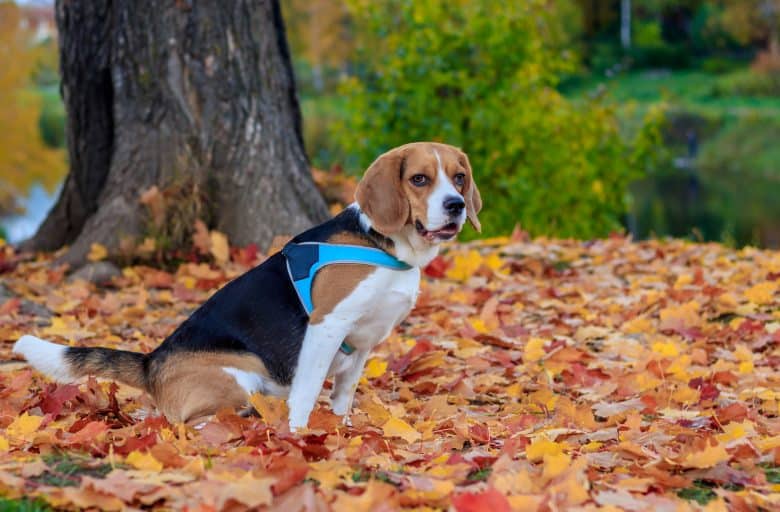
{"points": [[36, 205]]}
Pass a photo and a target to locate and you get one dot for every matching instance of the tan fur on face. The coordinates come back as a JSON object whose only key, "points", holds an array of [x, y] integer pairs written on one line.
{"points": [[333, 283], [386, 195], [190, 386]]}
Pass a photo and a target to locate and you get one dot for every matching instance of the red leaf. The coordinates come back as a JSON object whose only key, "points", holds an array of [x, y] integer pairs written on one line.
{"points": [[732, 412], [137, 443], [288, 471], [479, 433], [11, 306], [436, 268], [246, 256], [88, 433], [488, 501], [54, 397]]}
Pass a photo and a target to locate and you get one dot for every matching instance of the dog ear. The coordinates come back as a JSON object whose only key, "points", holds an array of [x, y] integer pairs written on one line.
{"points": [[380, 194], [471, 193]]}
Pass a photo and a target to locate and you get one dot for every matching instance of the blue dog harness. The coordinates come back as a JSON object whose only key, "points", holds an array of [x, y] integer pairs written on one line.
{"points": [[305, 259]]}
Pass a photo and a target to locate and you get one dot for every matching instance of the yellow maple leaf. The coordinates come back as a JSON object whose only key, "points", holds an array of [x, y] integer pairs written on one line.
{"points": [[58, 327], [665, 348], [525, 501], [24, 425], [273, 410], [534, 350], [373, 407], [97, 252], [707, 458], [429, 489], [143, 461], [555, 464], [4, 444], [745, 367], [592, 446], [736, 431], [252, 492], [768, 443], [479, 326], [540, 447], [375, 368], [464, 265], [761, 293], [147, 247], [679, 317], [637, 325], [219, 247], [396, 427], [494, 261], [330, 473]]}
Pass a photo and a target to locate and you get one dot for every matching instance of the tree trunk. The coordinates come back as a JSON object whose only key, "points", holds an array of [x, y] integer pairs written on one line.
{"points": [[197, 97]]}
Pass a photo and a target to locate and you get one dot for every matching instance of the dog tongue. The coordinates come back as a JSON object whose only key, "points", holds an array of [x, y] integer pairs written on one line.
{"points": [[447, 231]]}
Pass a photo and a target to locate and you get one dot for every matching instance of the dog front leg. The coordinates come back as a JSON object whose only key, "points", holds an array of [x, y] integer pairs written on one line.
{"points": [[346, 384], [320, 345]]}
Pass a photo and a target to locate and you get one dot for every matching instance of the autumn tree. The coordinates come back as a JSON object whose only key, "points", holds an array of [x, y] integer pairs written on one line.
{"points": [[319, 32], [749, 20], [483, 76], [24, 158], [195, 98]]}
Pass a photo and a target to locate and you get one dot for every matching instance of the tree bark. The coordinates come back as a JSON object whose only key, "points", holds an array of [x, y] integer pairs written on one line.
{"points": [[198, 96]]}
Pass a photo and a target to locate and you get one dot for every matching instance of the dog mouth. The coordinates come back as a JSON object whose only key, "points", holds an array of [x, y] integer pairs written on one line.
{"points": [[445, 232]]}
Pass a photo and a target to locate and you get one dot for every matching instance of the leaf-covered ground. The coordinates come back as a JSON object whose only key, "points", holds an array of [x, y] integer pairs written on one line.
{"points": [[542, 375]]}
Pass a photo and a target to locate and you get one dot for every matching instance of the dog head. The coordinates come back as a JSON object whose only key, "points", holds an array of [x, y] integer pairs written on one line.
{"points": [[423, 189]]}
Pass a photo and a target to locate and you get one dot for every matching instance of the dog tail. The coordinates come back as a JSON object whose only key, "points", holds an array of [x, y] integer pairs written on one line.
{"points": [[66, 364]]}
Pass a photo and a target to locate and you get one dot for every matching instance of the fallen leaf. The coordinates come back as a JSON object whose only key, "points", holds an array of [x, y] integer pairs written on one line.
{"points": [[375, 368], [143, 461], [219, 247], [97, 252], [23, 426], [395, 427]]}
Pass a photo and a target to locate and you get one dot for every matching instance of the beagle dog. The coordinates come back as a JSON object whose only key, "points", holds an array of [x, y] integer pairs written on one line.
{"points": [[286, 325]]}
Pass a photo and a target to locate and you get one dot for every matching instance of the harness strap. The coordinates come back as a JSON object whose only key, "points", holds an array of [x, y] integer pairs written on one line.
{"points": [[305, 259]]}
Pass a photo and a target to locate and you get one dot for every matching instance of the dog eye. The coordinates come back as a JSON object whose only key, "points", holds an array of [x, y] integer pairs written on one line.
{"points": [[419, 180], [459, 179]]}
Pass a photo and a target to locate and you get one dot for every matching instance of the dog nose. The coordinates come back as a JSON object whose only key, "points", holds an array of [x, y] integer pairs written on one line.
{"points": [[454, 205]]}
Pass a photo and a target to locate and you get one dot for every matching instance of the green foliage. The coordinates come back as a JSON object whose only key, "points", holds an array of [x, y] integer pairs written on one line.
{"points": [[772, 474], [699, 494], [748, 83], [319, 114], [482, 76], [746, 147], [52, 119], [23, 505], [65, 470]]}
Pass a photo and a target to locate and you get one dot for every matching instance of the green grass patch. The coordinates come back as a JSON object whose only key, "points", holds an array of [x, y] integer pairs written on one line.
{"points": [[479, 475], [772, 473], [702, 491], [701, 494], [695, 90], [66, 470], [23, 505]]}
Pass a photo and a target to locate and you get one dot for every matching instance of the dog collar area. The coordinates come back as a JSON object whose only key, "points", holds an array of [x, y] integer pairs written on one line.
{"points": [[305, 259]]}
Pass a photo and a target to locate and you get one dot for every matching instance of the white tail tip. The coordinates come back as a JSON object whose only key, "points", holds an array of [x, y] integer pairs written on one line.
{"points": [[44, 356]]}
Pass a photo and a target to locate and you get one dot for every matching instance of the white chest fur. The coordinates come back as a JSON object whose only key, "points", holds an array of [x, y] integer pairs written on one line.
{"points": [[363, 319], [383, 300]]}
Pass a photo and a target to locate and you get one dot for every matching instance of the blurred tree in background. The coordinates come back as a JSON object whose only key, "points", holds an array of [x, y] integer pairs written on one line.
{"points": [[25, 159], [320, 36], [483, 76], [750, 20]]}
